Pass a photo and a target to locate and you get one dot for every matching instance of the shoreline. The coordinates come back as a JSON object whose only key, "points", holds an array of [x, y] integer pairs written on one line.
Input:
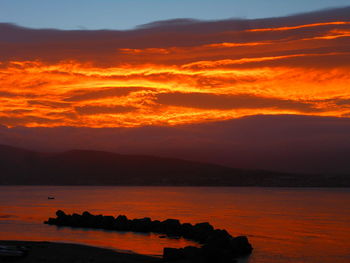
{"points": [[57, 252]]}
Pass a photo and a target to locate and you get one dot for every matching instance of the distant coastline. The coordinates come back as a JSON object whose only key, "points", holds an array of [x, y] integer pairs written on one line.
{"points": [[98, 168]]}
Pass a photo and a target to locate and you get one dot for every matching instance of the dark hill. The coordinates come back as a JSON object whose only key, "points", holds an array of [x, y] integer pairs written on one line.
{"points": [[82, 167]]}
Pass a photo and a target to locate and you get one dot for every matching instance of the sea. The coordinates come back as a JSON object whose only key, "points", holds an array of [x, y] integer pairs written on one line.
{"points": [[304, 225]]}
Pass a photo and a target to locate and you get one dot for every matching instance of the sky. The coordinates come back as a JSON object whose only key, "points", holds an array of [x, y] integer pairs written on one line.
{"points": [[176, 72], [126, 14], [166, 81]]}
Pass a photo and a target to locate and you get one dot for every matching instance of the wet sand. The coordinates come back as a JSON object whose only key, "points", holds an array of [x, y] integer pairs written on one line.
{"points": [[50, 252]]}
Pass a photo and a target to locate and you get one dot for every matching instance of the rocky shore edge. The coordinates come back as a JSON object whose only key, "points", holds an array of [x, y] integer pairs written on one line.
{"points": [[216, 245], [55, 252]]}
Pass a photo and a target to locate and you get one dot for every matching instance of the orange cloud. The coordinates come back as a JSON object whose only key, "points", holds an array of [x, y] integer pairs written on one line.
{"points": [[176, 73], [299, 26]]}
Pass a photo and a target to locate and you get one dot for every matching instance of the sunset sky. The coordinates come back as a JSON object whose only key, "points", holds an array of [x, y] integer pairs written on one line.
{"points": [[203, 62]]}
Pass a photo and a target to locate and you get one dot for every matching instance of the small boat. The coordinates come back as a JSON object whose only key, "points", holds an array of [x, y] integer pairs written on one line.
{"points": [[50, 197]]}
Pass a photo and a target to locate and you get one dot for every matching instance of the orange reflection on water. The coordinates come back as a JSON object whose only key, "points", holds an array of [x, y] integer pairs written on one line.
{"points": [[283, 224]]}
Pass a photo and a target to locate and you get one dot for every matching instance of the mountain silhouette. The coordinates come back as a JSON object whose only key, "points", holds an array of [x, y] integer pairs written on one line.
{"points": [[84, 167]]}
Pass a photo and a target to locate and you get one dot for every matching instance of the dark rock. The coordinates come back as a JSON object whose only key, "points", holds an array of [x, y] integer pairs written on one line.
{"points": [[192, 253], [76, 220], [219, 238], [141, 225], [98, 221], [60, 213], [204, 227], [217, 254], [187, 230], [88, 220], [62, 218], [108, 222], [173, 254], [170, 236], [121, 219], [50, 221], [155, 224], [171, 227], [202, 231], [217, 245], [87, 214], [240, 246], [122, 223]]}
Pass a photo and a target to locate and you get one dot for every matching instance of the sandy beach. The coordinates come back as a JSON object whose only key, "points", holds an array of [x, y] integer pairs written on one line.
{"points": [[51, 252]]}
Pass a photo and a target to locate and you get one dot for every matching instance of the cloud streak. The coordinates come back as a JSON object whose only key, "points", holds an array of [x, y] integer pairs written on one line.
{"points": [[176, 72], [227, 102], [96, 110]]}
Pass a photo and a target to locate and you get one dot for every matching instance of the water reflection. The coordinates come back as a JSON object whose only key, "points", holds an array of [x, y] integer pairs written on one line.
{"points": [[283, 224]]}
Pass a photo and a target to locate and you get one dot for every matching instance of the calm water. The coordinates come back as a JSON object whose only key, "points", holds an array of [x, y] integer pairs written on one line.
{"points": [[283, 224]]}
